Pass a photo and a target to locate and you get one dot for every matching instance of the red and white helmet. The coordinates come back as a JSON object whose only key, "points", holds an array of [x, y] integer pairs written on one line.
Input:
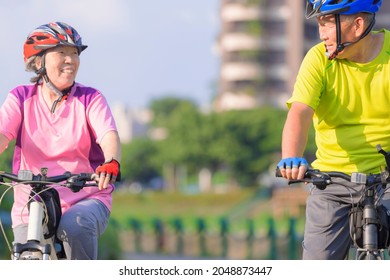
{"points": [[51, 35]]}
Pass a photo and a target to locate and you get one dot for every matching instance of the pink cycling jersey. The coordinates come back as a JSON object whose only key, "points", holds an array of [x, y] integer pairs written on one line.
{"points": [[66, 140]]}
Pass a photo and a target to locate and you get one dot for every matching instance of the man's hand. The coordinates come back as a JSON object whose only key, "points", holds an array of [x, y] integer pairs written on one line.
{"points": [[293, 168], [108, 172]]}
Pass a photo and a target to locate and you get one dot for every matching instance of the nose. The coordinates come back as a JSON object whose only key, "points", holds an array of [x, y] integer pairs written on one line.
{"points": [[322, 33], [68, 58]]}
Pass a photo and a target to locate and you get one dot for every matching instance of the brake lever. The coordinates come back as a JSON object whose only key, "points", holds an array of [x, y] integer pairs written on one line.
{"points": [[76, 183], [320, 180], [75, 186]]}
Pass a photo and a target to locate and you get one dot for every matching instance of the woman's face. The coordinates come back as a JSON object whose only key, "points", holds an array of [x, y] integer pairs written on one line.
{"points": [[62, 64]]}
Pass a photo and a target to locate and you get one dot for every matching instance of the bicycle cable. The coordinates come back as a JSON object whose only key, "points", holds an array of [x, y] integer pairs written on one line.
{"points": [[10, 186]]}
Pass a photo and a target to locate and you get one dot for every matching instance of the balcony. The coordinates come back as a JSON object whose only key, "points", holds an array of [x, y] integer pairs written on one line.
{"points": [[252, 71], [240, 41], [239, 12], [241, 71]]}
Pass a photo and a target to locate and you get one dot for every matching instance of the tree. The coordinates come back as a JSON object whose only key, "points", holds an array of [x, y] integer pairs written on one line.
{"points": [[6, 165], [242, 144], [247, 141], [138, 161], [163, 109]]}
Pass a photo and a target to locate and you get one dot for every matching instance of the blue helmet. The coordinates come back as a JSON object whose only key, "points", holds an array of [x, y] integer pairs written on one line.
{"points": [[315, 8]]}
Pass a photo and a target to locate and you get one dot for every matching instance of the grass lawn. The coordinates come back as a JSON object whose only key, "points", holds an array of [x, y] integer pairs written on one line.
{"points": [[237, 207]]}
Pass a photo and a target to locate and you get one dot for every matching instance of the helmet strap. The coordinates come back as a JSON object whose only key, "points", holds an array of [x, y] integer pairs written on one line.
{"points": [[342, 46], [62, 95]]}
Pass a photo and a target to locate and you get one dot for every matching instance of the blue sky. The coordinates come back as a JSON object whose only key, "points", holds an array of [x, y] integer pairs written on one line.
{"points": [[138, 50]]}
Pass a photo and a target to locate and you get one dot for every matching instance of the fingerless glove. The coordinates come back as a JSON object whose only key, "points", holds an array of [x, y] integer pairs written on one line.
{"points": [[292, 162], [111, 167]]}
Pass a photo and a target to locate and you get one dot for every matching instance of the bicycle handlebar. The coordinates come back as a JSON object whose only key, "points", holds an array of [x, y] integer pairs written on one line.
{"points": [[322, 179], [73, 181]]}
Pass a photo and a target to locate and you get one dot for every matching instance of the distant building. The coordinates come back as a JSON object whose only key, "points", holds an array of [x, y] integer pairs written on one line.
{"points": [[131, 123], [261, 45]]}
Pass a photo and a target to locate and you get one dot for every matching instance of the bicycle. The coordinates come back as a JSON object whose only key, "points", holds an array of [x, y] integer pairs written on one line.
{"points": [[369, 222], [44, 211]]}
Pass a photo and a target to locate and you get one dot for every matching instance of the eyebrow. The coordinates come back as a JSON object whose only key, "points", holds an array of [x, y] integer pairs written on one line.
{"points": [[326, 18]]}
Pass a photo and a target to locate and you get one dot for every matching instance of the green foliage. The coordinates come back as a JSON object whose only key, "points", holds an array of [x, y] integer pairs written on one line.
{"points": [[246, 141], [6, 165], [110, 247], [187, 138], [253, 2], [241, 144], [6, 157], [254, 27], [6, 203], [167, 207], [311, 146], [146, 206], [163, 109], [138, 161]]}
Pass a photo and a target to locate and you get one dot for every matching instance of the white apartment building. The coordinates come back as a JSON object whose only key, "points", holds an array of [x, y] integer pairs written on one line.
{"points": [[261, 45], [131, 123]]}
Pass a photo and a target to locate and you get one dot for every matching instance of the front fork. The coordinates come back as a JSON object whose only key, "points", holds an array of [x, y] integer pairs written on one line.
{"points": [[370, 230], [34, 248]]}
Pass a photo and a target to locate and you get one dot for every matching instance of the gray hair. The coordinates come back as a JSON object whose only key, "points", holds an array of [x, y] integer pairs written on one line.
{"points": [[31, 66]]}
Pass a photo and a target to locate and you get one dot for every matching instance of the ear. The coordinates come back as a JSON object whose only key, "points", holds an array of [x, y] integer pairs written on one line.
{"points": [[359, 26], [38, 62]]}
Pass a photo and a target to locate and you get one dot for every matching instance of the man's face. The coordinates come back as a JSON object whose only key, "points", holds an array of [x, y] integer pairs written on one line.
{"points": [[328, 32]]}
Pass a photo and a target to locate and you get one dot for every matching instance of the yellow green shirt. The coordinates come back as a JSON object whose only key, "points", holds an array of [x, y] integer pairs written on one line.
{"points": [[352, 108]]}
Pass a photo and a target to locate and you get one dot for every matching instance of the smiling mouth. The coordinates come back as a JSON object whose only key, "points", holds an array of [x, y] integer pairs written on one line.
{"points": [[68, 71]]}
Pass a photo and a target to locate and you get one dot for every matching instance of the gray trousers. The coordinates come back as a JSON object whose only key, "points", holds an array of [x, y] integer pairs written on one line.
{"points": [[327, 232], [79, 229]]}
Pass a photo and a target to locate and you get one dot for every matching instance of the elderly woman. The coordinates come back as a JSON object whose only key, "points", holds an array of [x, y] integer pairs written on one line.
{"points": [[65, 126]]}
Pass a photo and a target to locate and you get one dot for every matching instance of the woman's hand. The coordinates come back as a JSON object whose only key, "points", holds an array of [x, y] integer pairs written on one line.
{"points": [[108, 172]]}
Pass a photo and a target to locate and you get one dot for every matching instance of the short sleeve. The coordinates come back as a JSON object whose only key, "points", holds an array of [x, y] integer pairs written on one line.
{"points": [[100, 117], [10, 117], [309, 84]]}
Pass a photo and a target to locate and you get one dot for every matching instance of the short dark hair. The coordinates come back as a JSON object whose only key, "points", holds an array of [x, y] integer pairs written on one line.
{"points": [[367, 17]]}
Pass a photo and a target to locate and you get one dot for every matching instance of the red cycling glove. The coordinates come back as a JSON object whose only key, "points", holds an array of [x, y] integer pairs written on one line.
{"points": [[111, 168]]}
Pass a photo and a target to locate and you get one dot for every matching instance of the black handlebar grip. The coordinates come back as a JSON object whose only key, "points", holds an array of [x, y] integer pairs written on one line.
{"points": [[277, 172]]}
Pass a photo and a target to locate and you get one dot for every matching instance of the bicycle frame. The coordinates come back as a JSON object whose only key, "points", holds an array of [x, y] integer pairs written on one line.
{"points": [[40, 245], [36, 247], [370, 248]]}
